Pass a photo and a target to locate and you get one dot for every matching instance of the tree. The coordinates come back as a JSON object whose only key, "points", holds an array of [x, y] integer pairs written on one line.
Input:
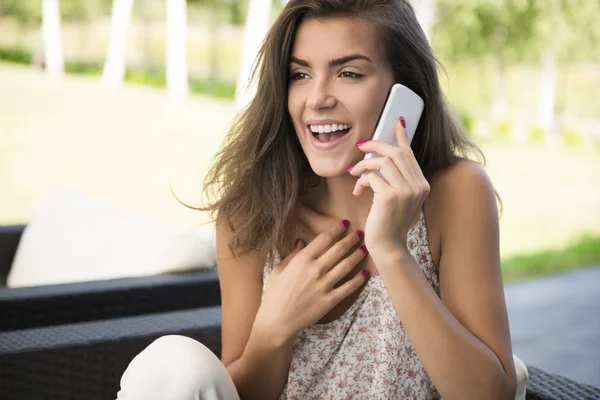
{"points": [[51, 34], [177, 78], [553, 33], [27, 13], [114, 67], [425, 11], [497, 29], [565, 32], [257, 24]]}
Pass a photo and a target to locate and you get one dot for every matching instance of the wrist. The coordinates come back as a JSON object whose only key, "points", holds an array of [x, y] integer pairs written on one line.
{"points": [[270, 334], [396, 255]]}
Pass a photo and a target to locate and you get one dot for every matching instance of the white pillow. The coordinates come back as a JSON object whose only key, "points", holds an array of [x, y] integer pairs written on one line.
{"points": [[73, 238]]}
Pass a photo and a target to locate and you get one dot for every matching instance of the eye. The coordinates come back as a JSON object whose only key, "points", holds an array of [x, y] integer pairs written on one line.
{"points": [[297, 76], [350, 74]]}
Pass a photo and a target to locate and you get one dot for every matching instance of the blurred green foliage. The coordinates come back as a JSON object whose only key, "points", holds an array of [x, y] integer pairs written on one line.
{"points": [[467, 121], [150, 76], [537, 134], [517, 30], [16, 55], [502, 130], [572, 138], [29, 12], [83, 68]]}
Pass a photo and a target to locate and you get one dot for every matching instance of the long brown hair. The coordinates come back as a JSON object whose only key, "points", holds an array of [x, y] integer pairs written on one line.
{"points": [[261, 170]]}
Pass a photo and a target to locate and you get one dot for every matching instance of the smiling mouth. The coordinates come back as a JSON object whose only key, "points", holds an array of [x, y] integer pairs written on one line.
{"points": [[328, 133]]}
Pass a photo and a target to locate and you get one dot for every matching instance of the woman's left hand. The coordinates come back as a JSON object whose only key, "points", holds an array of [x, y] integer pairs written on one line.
{"points": [[395, 202]]}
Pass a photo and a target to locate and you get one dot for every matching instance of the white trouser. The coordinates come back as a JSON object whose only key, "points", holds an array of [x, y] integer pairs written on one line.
{"points": [[176, 368]]}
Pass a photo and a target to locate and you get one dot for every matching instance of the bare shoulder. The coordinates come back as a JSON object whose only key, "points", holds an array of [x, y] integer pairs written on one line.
{"points": [[461, 186], [464, 175], [460, 193]]}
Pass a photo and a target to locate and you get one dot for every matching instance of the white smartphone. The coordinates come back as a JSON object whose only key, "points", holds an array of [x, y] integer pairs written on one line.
{"points": [[401, 102]]}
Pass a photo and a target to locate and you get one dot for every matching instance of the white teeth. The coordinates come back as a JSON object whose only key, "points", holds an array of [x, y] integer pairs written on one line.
{"points": [[329, 128]]}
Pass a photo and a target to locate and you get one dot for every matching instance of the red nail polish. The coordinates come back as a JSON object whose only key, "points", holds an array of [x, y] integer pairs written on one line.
{"points": [[350, 169], [346, 223], [365, 273], [361, 142], [403, 122], [364, 249], [360, 234], [296, 242]]}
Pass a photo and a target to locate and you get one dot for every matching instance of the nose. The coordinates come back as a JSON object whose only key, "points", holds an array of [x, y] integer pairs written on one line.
{"points": [[320, 97]]}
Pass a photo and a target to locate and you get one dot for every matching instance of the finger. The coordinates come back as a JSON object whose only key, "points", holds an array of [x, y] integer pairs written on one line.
{"points": [[384, 165], [344, 267], [326, 239], [347, 288], [398, 155], [338, 251], [402, 136], [373, 181], [402, 140], [286, 260]]}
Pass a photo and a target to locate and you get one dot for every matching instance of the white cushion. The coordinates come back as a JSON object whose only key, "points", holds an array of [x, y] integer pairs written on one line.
{"points": [[73, 238]]}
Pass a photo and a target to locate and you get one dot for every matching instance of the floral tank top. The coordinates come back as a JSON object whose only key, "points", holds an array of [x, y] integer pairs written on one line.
{"points": [[366, 353]]}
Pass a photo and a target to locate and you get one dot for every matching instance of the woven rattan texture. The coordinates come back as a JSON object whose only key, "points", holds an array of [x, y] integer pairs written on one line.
{"points": [[85, 361], [545, 386], [24, 308]]}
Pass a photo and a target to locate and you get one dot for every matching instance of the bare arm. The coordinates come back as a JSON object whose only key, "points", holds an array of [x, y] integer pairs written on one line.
{"points": [[462, 339], [257, 363]]}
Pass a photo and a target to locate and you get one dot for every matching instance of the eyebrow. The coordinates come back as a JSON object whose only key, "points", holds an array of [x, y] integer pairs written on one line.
{"points": [[335, 62]]}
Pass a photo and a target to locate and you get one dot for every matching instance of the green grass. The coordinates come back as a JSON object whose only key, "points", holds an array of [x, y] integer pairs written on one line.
{"points": [[150, 76], [583, 252]]}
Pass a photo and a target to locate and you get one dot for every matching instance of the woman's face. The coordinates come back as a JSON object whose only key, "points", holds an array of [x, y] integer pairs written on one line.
{"points": [[339, 80]]}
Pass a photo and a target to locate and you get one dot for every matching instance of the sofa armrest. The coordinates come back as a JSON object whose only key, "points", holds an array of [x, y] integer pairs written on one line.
{"points": [[542, 385], [42, 306], [86, 360], [10, 235]]}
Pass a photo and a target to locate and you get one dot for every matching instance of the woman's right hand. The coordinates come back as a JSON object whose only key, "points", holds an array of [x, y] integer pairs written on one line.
{"points": [[304, 286]]}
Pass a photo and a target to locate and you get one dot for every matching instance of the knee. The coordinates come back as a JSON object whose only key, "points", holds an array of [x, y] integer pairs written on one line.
{"points": [[174, 363]]}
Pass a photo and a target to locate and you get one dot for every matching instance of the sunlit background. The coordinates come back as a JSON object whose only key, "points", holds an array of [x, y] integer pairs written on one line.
{"points": [[523, 76]]}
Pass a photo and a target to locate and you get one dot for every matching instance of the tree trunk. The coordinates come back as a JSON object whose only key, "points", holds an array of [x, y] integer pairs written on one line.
{"points": [[114, 67], [177, 78], [257, 24], [547, 91], [425, 11], [52, 38]]}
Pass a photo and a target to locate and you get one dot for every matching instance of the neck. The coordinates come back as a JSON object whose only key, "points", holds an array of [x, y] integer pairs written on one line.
{"points": [[333, 197]]}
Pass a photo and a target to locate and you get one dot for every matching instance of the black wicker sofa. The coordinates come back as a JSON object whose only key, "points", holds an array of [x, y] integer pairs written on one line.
{"points": [[74, 341]]}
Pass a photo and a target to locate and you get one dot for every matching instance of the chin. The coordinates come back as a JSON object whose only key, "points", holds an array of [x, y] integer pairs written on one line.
{"points": [[328, 171]]}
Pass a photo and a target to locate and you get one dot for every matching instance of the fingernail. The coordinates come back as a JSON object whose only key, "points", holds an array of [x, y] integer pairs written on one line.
{"points": [[364, 249], [350, 169], [346, 223], [360, 234], [361, 142], [403, 122], [296, 242], [365, 273]]}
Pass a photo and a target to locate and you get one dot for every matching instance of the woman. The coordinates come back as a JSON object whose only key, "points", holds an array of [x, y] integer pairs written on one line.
{"points": [[333, 285]]}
